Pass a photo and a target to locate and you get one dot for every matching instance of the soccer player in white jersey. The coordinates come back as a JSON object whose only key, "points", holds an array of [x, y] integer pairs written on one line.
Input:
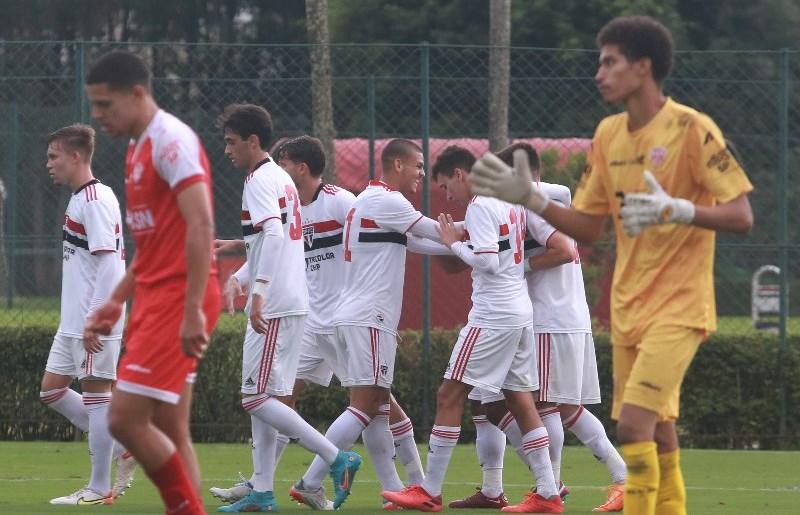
{"points": [[379, 228], [563, 326], [325, 209], [495, 351], [277, 307], [93, 263]]}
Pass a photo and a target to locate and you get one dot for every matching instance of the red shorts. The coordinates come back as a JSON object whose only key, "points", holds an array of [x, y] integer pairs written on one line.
{"points": [[154, 364]]}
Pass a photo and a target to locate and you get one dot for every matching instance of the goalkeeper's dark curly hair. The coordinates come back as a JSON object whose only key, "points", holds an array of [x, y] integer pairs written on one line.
{"points": [[638, 37]]}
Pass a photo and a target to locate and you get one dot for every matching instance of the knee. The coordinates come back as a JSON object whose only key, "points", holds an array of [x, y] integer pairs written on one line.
{"points": [[449, 395], [118, 425], [628, 432]]}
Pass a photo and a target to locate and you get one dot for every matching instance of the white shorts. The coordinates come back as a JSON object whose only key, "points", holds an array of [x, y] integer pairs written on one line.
{"points": [[494, 359], [319, 358], [368, 355], [269, 361], [68, 358], [485, 396], [567, 368]]}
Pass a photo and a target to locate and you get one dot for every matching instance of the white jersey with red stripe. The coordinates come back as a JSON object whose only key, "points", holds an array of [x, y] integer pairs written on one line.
{"points": [[167, 158], [92, 224], [500, 299], [557, 294], [270, 193], [375, 258], [323, 227]]}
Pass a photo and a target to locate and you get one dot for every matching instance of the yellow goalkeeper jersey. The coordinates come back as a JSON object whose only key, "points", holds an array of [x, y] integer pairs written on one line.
{"points": [[664, 275]]}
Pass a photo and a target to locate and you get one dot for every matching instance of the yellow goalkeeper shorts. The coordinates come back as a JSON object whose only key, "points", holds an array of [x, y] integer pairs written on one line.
{"points": [[650, 372]]}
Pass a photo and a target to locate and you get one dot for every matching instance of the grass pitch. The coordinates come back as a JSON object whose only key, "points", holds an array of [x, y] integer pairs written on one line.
{"points": [[718, 482]]}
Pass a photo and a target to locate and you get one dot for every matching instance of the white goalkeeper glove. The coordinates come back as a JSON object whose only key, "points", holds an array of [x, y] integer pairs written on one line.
{"points": [[640, 210], [491, 177]]}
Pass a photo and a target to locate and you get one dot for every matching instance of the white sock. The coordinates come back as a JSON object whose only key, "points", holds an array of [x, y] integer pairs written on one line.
{"points": [[287, 421], [343, 433], [280, 446], [551, 418], [590, 431], [101, 445], [264, 440], [380, 446], [440, 450], [69, 403], [508, 425], [490, 444], [406, 449], [534, 444]]}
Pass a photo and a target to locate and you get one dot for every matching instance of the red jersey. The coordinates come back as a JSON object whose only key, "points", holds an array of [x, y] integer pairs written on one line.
{"points": [[167, 158]]}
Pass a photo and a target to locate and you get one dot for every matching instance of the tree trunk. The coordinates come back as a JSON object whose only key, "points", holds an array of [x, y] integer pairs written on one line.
{"points": [[321, 99], [499, 72]]}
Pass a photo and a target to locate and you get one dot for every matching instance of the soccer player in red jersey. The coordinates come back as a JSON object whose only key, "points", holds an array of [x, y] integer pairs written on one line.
{"points": [[173, 275]]}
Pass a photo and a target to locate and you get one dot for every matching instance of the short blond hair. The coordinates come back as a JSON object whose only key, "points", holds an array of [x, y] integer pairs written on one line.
{"points": [[78, 137]]}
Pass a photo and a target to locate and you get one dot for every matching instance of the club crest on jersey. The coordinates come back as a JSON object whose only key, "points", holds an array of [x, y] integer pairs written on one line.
{"points": [[657, 156], [308, 235]]}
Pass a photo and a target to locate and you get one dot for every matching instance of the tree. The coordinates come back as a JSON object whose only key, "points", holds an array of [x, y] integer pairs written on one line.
{"points": [[499, 72], [321, 98]]}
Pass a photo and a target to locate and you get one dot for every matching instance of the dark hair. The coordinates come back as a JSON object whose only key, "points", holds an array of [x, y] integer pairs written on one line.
{"points": [[639, 37], [246, 120], [507, 154], [451, 158], [397, 148], [304, 149], [78, 137], [121, 71]]}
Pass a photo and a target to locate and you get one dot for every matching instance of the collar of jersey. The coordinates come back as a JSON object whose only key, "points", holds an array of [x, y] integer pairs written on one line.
{"points": [[376, 182], [261, 163], [93, 181]]}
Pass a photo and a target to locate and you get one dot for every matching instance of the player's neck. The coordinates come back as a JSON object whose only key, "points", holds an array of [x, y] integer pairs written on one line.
{"points": [[643, 106], [149, 110], [82, 177], [309, 189]]}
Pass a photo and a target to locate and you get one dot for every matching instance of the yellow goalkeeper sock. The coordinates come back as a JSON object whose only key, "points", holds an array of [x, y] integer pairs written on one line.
{"points": [[641, 485], [671, 490]]}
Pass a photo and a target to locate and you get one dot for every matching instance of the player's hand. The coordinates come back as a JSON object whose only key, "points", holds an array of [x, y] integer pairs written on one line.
{"points": [[491, 177], [449, 233], [228, 246], [104, 318], [92, 344], [232, 291], [194, 339], [257, 320], [641, 210]]}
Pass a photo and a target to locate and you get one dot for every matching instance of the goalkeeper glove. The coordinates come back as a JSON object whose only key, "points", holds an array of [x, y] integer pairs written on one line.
{"points": [[640, 210], [491, 177]]}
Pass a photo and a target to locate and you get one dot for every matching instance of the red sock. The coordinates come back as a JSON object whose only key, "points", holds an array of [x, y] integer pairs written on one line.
{"points": [[176, 489]]}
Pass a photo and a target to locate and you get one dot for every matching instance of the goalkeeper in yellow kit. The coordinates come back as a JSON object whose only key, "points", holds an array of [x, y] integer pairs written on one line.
{"points": [[662, 171]]}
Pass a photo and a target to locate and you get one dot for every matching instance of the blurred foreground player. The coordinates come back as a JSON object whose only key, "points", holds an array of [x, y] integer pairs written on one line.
{"points": [[177, 300]]}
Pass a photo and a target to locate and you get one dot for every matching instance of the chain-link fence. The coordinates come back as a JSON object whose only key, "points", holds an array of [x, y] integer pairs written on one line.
{"points": [[435, 94]]}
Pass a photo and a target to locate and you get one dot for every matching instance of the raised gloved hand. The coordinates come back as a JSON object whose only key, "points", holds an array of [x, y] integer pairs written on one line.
{"points": [[640, 210], [491, 177]]}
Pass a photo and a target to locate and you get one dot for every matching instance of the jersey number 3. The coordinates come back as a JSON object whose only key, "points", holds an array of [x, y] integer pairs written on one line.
{"points": [[296, 227], [519, 233]]}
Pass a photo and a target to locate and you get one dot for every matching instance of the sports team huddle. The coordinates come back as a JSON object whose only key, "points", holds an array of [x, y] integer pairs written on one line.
{"points": [[525, 358]]}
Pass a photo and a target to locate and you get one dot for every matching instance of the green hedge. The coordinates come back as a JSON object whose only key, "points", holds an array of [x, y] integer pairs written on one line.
{"points": [[731, 397]]}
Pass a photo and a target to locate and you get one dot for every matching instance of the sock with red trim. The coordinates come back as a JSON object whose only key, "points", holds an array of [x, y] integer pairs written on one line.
{"points": [[534, 444], [443, 441]]}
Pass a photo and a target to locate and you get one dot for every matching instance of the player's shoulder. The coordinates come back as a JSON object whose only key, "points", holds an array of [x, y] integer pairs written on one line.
{"points": [[266, 173], [690, 118], [611, 124], [557, 192], [168, 132], [95, 193]]}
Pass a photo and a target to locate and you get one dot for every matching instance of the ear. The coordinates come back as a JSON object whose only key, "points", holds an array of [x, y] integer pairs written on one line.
{"points": [[253, 142], [398, 164], [644, 66], [139, 91]]}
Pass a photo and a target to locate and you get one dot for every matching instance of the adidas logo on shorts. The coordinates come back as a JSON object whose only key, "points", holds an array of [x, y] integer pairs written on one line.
{"points": [[249, 382]]}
